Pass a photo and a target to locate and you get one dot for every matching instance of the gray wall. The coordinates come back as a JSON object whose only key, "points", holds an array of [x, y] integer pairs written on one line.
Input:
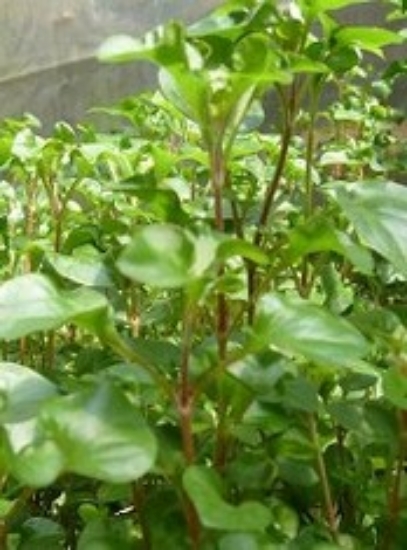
{"points": [[47, 51]]}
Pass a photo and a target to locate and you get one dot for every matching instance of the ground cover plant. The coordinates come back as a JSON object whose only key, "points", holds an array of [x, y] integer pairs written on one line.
{"points": [[203, 314]]}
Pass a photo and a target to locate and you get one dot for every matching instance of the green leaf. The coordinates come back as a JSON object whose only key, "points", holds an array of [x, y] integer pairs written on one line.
{"points": [[395, 387], [238, 247], [214, 512], [298, 327], [31, 303], [317, 7], [100, 435], [22, 391], [318, 235], [300, 394], [371, 39], [378, 212], [239, 541], [81, 271], [165, 256], [106, 534], [32, 460], [41, 533]]}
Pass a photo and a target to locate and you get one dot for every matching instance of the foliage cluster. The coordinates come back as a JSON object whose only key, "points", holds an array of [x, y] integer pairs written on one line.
{"points": [[203, 315]]}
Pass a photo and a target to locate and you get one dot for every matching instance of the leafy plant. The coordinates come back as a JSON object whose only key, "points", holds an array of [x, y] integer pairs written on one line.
{"points": [[204, 317]]}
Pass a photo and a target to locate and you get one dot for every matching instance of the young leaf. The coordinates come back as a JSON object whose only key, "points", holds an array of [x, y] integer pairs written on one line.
{"points": [[100, 435], [81, 271], [378, 212], [214, 512], [300, 328], [31, 303], [371, 39], [165, 256], [22, 391]]}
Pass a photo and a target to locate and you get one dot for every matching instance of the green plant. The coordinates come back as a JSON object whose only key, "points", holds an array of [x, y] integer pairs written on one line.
{"points": [[204, 336]]}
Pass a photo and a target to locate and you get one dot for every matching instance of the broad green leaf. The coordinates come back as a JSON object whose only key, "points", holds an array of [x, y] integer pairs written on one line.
{"points": [[298, 327], [230, 247], [81, 271], [40, 533], [317, 7], [395, 387], [31, 303], [22, 391], [378, 212], [300, 394], [371, 39], [163, 205], [262, 372], [164, 45], [100, 435], [106, 534], [38, 463], [239, 541], [214, 512], [318, 235], [165, 256]]}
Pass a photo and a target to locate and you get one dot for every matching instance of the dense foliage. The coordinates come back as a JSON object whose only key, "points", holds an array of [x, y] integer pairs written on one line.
{"points": [[203, 314]]}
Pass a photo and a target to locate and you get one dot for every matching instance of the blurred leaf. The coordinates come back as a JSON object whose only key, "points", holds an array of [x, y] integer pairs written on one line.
{"points": [[165, 256], [81, 271], [22, 391], [105, 534], [214, 512], [100, 435], [40, 534], [298, 327], [31, 303], [371, 39], [395, 387], [378, 212]]}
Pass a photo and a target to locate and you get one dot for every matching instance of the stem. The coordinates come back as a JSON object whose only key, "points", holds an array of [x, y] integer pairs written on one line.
{"points": [[185, 397], [330, 514], [265, 212], [394, 495], [18, 505], [138, 497], [185, 401]]}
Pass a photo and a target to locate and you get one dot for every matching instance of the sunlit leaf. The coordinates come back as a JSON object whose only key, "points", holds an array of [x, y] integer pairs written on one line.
{"points": [[299, 327], [31, 303], [166, 256], [22, 391], [378, 212], [81, 271], [100, 435]]}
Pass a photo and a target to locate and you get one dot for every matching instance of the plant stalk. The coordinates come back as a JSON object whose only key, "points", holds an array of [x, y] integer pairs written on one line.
{"points": [[330, 513]]}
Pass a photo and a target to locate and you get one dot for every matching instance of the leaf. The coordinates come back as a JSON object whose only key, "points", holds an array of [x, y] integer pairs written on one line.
{"points": [[22, 391], [82, 271], [395, 387], [299, 327], [214, 512], [31, 303], [238, 247], [100, 435], [371, 39], [165, 256], [106, 534], [239, 541], [318, 235], [378, 212], [316, 7]]}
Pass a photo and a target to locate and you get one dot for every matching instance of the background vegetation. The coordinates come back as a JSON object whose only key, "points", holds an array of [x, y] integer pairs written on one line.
{"points": [[203, 315]]}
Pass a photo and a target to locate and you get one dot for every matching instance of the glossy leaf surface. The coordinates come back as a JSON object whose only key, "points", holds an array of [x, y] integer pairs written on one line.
{"points": [[298, 327]]}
